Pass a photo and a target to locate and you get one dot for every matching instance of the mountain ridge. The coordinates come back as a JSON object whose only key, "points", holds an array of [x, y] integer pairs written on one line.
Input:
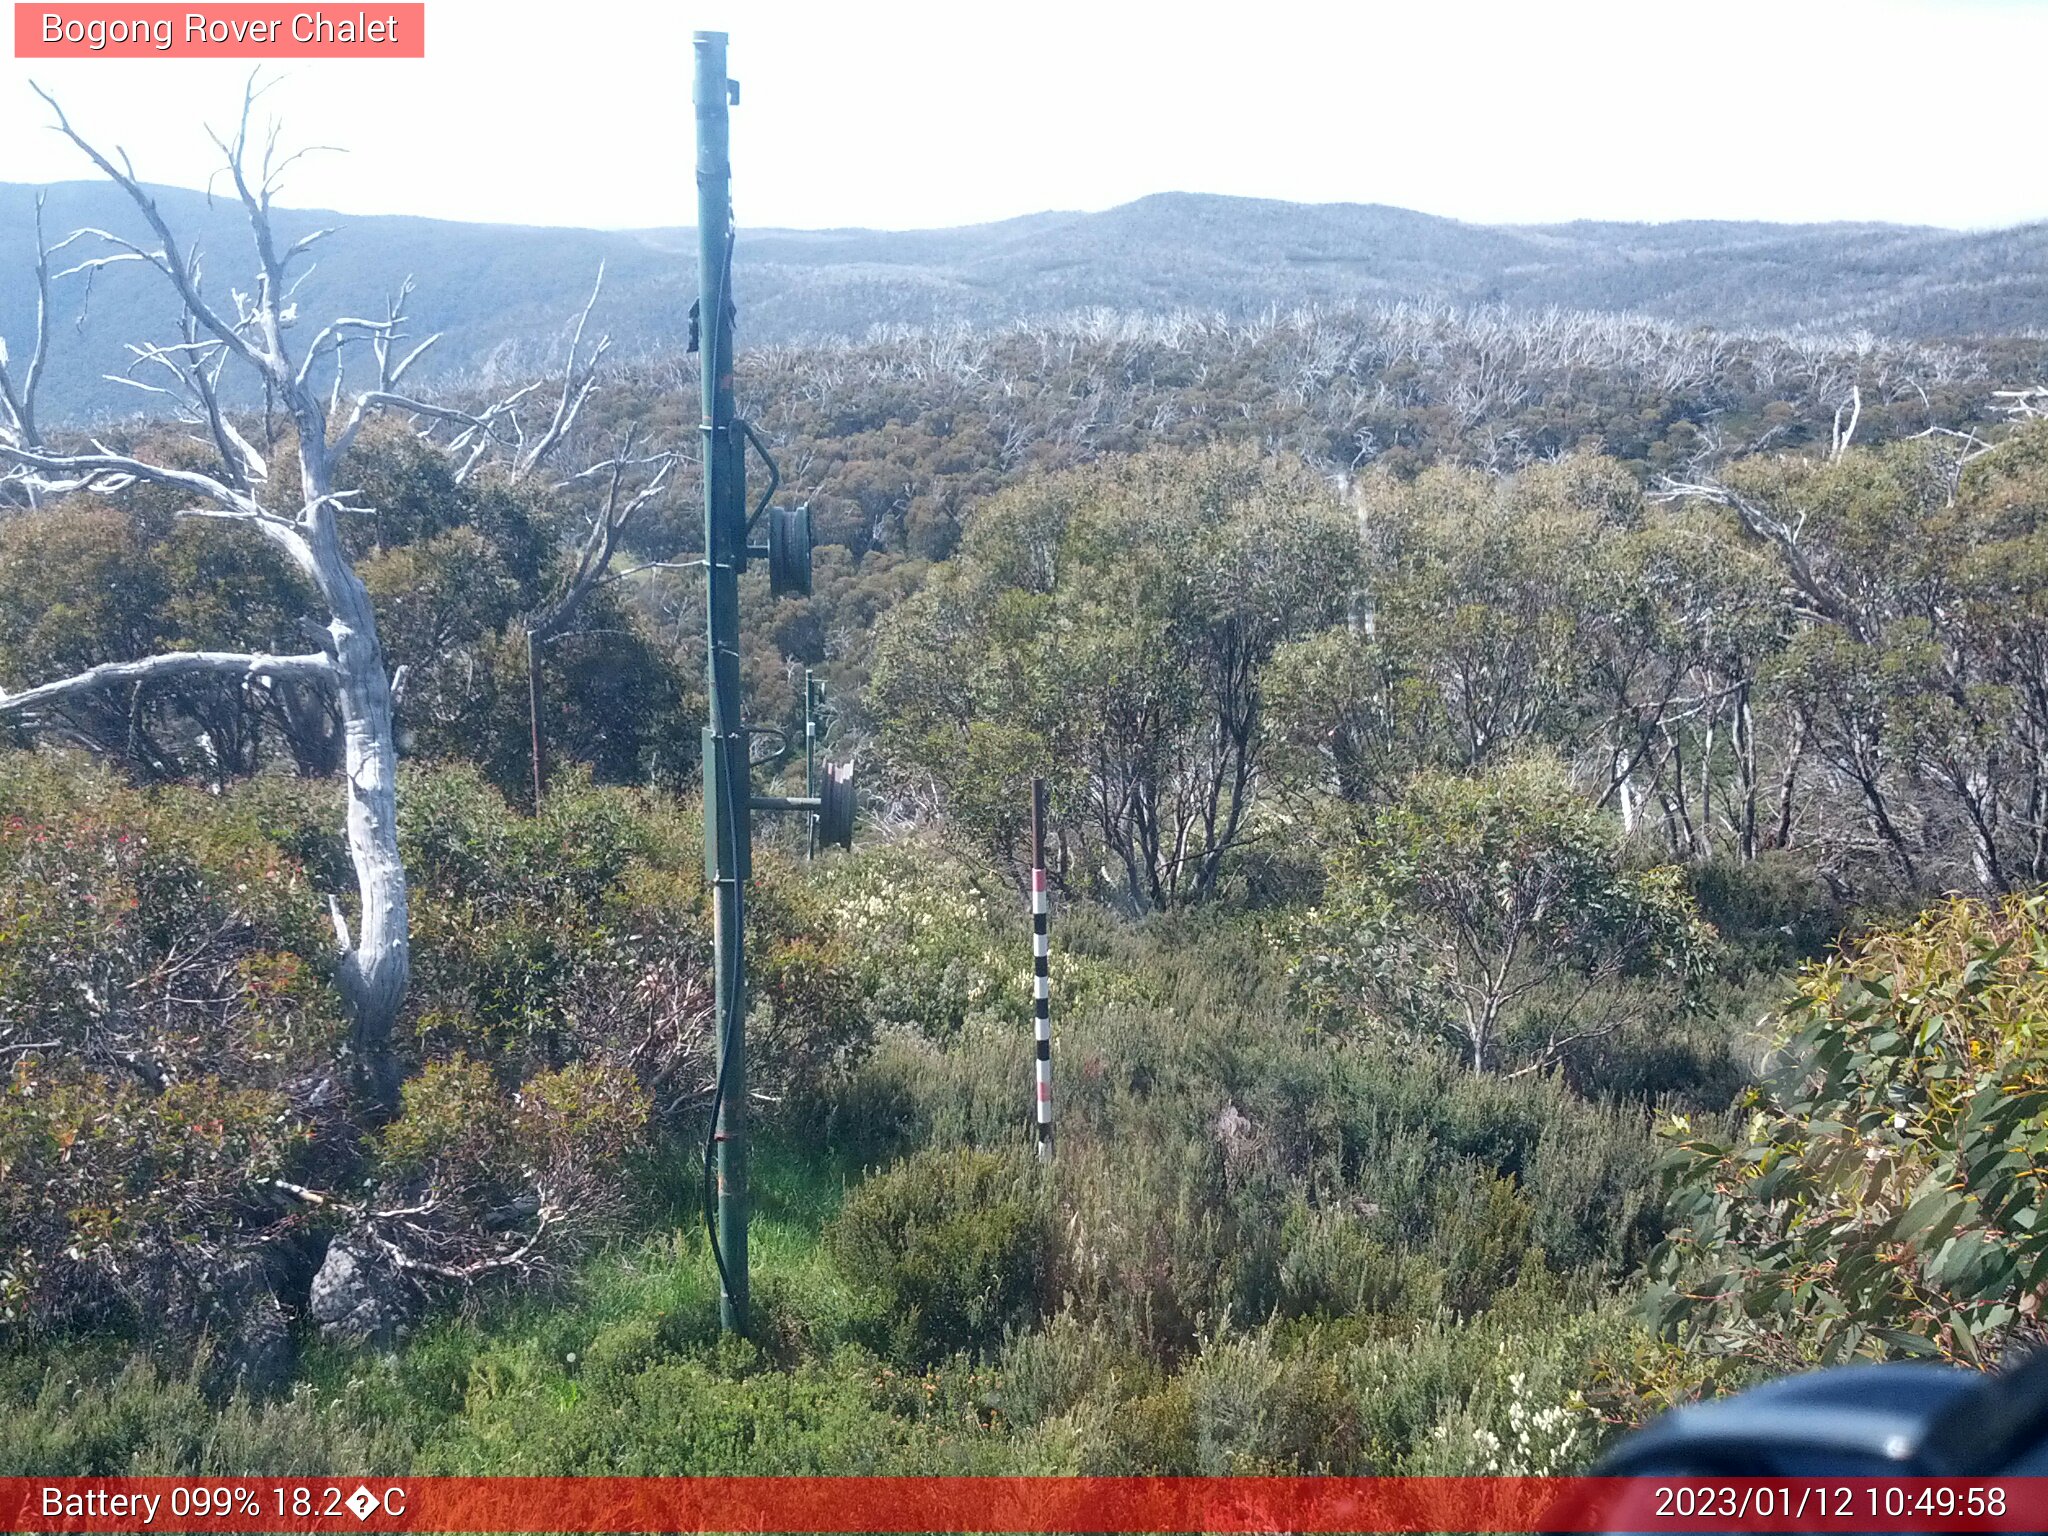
{"points": [[502, 293]]}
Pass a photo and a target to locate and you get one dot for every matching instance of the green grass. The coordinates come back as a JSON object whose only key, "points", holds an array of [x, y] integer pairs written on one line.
{"points": [[664, 1280]]}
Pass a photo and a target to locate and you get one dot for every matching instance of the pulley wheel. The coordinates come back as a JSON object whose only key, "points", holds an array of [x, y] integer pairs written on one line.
{"points": [[837, 802], [789, 551]]}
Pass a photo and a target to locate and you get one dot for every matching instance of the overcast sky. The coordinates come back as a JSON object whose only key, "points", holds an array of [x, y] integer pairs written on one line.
{"points": [[897, 115]]}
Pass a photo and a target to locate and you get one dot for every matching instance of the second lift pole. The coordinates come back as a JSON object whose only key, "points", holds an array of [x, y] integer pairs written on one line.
{"points": [[727, 822]]}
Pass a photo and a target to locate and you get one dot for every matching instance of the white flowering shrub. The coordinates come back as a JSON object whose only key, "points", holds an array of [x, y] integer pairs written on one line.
{"points": [[931, 944], [937, 943], [1524, 1424]]}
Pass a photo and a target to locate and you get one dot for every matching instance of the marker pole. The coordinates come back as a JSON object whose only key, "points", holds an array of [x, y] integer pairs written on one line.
{"points": [[1041, 973]]}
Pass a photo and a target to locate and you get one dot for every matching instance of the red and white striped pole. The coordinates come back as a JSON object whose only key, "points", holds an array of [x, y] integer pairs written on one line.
{"points": [[1041, 973]]}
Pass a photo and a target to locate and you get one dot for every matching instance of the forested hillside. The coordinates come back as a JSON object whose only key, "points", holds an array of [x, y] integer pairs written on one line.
{"points": [[1525, 792], [491, 287]]}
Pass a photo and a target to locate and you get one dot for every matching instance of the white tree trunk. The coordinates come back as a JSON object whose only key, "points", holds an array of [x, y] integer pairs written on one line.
{"points": [[377, 966]]}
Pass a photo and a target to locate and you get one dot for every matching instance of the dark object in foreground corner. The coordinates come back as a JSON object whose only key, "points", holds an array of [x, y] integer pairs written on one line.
{"points": [[1897, 1420], [1856, 1421]]}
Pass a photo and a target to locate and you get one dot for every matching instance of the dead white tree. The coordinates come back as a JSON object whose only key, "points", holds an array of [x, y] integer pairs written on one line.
{"points": [[493, 433], [253, 335], [630, 482], [620, 501], [18, 391], [374, 962], [2029, 404], [1852, 408]]}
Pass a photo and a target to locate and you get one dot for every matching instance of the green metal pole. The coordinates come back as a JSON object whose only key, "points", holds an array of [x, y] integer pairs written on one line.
{"points": [[727, 816]]}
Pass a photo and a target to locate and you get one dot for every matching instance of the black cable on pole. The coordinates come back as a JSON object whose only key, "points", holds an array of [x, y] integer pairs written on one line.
{"points": [[736, 962]]}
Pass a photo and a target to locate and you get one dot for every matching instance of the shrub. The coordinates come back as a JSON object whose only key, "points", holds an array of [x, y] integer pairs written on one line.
{"points": [[74, 1420], [622, 1351], [1499, 915], [950, 1246], [1882, 1196], [505, 906], [1259, 1412], [1049, 1371], [1158, 1247], [1255, 1403], [1505, 1397], [479, 1181], [124, 1206], [582, 934], [1216, 1162], [922, 937], [1333, 1269], [1480, 1236], [1771, 912], [1155, 1433], [171, 1048], [846, 1415], [1591, 1185]]}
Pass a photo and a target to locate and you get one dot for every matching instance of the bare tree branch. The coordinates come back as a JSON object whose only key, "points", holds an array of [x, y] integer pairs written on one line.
{"points": [[607, 525], [2029, 404], [19, 399], [105, 470], [1784, 536], [170, 260], [250, 666], [579, 378], [1844, 436]]}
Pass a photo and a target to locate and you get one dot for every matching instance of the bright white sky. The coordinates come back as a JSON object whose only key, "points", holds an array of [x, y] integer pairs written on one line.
{"points": [[899, 114]]}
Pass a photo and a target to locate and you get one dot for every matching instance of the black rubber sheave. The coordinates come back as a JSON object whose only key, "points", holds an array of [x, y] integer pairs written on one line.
{"points": [[1856, 1421]]}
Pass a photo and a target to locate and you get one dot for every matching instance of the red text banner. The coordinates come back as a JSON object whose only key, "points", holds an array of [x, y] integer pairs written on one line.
{"points": [[1020, 1504], [226, 31]]}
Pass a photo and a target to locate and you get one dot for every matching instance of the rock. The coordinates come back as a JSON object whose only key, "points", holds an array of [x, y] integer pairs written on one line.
{"points": [[358, 1296]]}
